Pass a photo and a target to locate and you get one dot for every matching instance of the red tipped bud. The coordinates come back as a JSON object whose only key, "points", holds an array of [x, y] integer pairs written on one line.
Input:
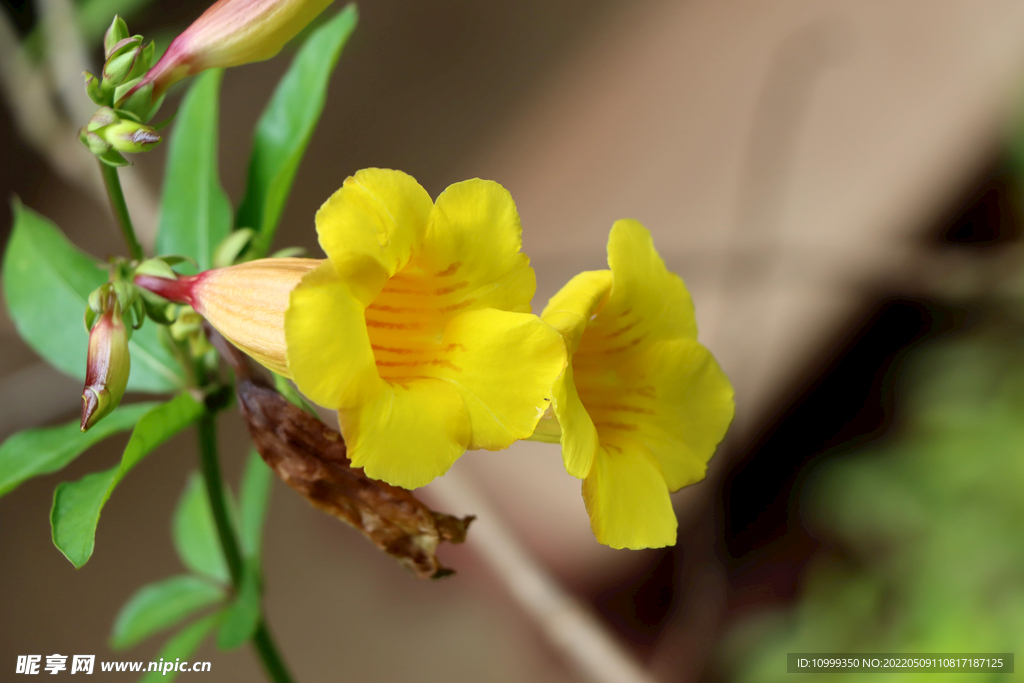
{"points": [[108, 365], [231, 33]]}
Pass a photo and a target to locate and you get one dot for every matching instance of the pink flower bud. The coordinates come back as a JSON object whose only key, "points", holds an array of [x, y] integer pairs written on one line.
{"points": [[108, 365], [231, 33]]}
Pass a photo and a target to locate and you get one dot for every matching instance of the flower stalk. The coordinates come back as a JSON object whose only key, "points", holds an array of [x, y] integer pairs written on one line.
{"points": [[116, 196]]}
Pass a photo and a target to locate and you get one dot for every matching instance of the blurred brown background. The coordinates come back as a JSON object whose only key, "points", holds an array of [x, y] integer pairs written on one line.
{"points": [[798, 162]]}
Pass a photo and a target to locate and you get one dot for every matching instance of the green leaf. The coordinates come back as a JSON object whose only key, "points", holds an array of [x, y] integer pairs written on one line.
{"points": [[47, 282], [195, 533], [253, 501], [162, 605], [181, 646], [243, 615], [195, 213], [288, 390], [286, 126], [77, 505], [35, 452]]}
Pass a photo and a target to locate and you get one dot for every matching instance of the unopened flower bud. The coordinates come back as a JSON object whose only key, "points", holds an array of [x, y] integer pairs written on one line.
{"points": [[245, 302], [108, 365], [128, 136], [107, 133], [117, 32], [119, 68], [231, 33]]}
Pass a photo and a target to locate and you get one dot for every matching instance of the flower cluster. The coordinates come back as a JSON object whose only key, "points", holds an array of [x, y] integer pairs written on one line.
{"points": [[417, 330]]}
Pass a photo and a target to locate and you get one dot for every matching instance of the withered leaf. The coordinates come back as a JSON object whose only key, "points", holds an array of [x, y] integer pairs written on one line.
{"points": [[311, 457]]}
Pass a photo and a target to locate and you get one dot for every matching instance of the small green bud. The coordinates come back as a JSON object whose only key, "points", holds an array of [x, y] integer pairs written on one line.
{"points": [[117, 32], [108, 364], [120, 68], [128, 136]]}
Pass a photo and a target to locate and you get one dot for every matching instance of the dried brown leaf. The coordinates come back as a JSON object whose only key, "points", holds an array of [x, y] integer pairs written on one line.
{"points": [[311, 457]]}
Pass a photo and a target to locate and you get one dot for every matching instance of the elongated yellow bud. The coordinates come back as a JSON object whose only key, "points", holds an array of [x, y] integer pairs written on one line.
{"points": [[231, 33], [245, 303]]}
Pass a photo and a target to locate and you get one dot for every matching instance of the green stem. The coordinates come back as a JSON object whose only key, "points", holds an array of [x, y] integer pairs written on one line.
{"points": [[261, 640], [117, 203]]}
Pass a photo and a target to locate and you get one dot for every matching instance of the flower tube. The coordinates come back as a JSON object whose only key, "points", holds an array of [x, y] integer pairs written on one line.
{"points": [[230, 33], [417, 327], [642, 405], [245, 302]]}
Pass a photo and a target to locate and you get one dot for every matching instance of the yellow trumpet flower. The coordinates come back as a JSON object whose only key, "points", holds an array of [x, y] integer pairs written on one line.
{"points": [[642, 405], [417, 327]]}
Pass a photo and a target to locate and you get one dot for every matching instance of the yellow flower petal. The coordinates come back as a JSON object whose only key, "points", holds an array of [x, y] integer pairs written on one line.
{"points": [[574, 305], [579, 436], [569, 311], [329, 352], [411, 434], [474, 238], [645, 296], [371, 227], [628, 503], [692, 409], [503, 365]]}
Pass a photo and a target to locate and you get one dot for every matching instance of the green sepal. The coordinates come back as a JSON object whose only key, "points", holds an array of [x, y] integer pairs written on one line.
{"points": [[175, 259], [157, 267], [103, 117], [93, 89], [94, 143], [113, 158]]}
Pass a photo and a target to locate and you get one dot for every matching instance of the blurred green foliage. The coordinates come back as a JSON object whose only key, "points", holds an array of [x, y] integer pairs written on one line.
{"points": [[929, 523]]}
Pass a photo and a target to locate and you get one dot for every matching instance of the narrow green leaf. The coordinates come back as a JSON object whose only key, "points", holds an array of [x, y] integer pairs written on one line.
{"points": [[47, 282], [162, 605], [195, 213], [195, 533], [288, 390], [181, 646], [243, 614], [77, 505], [286, 126], [253, 501], [35, 452]]}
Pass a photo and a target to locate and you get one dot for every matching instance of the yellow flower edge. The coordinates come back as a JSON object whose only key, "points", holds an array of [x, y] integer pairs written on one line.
{"points": [[642, 405], [417, 328]]}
